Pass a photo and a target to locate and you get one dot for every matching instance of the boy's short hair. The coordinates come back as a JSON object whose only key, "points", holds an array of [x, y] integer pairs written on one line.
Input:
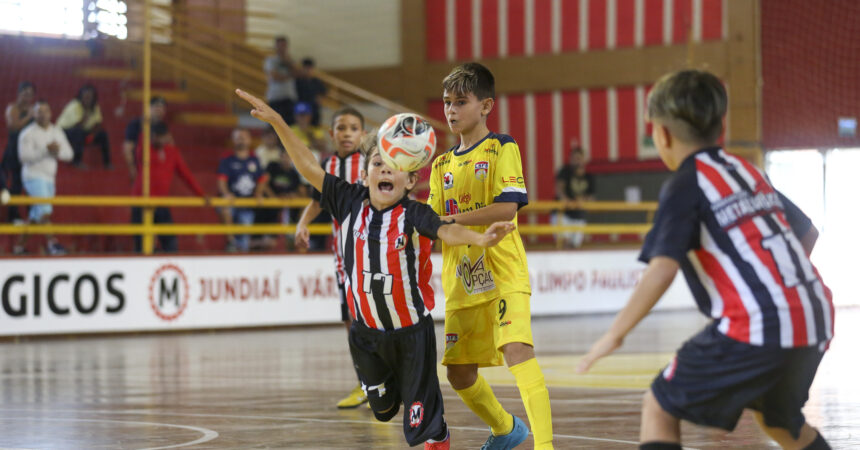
{"points": [[471, 78], [691, 104], [157, 100], [26, 85], [348, 111]]}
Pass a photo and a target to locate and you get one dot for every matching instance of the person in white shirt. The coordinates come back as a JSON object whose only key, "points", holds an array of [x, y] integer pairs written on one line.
{"points": [[40, 145]]}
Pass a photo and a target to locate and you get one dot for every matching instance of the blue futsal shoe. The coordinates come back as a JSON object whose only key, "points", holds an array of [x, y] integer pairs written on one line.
{"points": [[510, 440]]}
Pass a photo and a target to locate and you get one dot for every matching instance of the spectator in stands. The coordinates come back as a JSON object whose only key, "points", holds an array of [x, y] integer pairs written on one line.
{"points": [[18, 115], [574, 186], [240, 175], [280, 72], [312, 136], [165, 161], [40, 145], [270, 148], [310, 89], [284, 182], [157, 113], [81, 119]]}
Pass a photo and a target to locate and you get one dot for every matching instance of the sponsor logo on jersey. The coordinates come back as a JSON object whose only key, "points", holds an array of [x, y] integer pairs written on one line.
{"points": [[465, 163], [476, 278], [416, 414], [481, 170], [513, 180], [466, 198], [504, 323], [451, 207], [447, 181]]}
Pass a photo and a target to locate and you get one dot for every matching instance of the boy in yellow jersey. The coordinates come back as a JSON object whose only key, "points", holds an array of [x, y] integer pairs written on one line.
{"points": [[487, 318]]}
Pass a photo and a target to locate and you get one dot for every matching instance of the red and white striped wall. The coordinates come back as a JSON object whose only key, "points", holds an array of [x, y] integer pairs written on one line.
{"points": [[475, 29], [608, 123]]}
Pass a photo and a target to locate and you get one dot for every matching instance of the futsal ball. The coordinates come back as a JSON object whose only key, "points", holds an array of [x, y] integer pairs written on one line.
{"points": [[406, 142]]}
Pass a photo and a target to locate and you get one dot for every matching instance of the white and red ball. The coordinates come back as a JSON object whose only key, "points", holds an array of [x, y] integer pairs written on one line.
{"points": [[406, 142]]}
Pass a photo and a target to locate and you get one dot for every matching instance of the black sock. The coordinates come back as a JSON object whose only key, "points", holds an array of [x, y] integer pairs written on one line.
{"points": [[443, 434], [660, 446], [818, 444]]}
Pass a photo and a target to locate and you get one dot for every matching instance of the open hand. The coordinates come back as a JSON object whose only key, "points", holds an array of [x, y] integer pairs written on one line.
{"points": [[603, 347], [495, 233], [260, 109], [303, 237]]}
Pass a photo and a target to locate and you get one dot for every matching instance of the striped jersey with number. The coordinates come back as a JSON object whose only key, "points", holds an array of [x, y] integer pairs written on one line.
{"points": [[348, 169], [736, 239], [386, 255]]}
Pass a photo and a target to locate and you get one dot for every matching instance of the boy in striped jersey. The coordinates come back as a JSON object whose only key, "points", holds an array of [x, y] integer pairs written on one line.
{"points": [[386, 241], [347, 129], [743, 248]]}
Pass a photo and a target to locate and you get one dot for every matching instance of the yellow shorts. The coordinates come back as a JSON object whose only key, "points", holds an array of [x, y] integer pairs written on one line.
{"points": [[476, 335]]}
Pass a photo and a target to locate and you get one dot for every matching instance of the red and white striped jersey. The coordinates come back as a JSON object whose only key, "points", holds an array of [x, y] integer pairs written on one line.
{"points": [[386, 255], [736, 240], [348, 169]]}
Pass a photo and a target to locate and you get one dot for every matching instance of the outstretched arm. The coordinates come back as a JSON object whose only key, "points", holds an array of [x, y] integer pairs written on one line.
{"points": [[303, 159], [656, 279], [456, 234]]}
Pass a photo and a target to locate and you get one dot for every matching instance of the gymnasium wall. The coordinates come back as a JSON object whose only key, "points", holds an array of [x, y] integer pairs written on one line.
{"points": [[340, 34], [607, 121], [810, 55]]}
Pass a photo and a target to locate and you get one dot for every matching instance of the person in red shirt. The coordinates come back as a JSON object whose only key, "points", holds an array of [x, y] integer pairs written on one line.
{"points": [[164, 162]]}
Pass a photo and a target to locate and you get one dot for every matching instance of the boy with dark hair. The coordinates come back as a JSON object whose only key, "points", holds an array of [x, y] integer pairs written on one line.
{"points": [[387, 265], [743, 248], [347, 130], [487, 311], [240, 175]]}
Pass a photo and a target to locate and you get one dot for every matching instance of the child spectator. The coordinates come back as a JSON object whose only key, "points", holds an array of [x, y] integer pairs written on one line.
{"points": [[81, 119]]}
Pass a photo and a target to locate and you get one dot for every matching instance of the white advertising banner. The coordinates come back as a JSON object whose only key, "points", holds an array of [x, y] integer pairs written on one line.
{"points": [[120, 294]]}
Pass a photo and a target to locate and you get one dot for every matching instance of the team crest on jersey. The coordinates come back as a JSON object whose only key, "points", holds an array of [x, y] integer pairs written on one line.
{"points": [[416, 414], [476, 278], [447, 181], [481, 170], [400, 242], [450, 340]]}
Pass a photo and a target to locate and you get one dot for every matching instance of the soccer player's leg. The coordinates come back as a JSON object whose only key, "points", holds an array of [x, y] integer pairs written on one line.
{"points": [[415, 373], [778, 412], [468, 345], [376, 377], [513, 335], [357, 396], [713, 378]]}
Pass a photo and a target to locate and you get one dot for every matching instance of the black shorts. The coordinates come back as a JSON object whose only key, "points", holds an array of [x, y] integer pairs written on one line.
{"points": [[344, 308], [713, 378], [397, 367]]}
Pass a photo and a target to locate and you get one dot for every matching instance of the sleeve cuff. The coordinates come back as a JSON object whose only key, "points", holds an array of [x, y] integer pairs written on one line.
{"points": [[519, 198]]}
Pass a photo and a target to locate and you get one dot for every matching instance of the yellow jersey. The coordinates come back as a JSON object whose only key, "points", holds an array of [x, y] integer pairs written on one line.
{"points": [[489, 172]]}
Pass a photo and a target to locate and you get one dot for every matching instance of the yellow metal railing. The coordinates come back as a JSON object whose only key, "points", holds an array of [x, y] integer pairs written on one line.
{"points": [[149, 230]]}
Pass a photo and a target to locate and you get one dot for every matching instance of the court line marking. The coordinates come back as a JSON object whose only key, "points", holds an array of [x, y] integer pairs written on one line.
{"points": [[208, 434], [305, 419]]}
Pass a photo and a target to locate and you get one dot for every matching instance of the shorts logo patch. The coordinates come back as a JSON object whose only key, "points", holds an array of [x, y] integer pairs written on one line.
{"points": [[447, 181], [450, 340], [481, 170], [416, 414]]}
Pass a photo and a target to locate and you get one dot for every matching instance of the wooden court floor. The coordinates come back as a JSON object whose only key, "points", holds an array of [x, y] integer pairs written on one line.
{"points": [[278, 388]]}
